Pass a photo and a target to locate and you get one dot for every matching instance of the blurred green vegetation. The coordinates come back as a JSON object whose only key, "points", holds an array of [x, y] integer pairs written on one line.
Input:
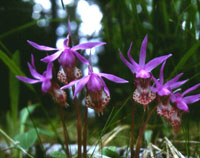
{"points": [[173, 26]]}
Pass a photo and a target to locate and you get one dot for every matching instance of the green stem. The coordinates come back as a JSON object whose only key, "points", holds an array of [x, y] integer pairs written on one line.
{"points": [[15, 143]]}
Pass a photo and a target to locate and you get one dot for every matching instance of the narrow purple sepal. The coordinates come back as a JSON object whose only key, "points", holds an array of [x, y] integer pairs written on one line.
{"points": [[80, 57], [81, 84], [190, 89], [46, 86], [41, 47], [49, 70], [155, 62], [105, 88], [113, 78], [177, 84], [51, 58], [88, 45], [182, 106], [161, 73], [33, 72], [27, 80], [173, 80], [191, 99], [70, 84], [143, 52], [129, 65]]}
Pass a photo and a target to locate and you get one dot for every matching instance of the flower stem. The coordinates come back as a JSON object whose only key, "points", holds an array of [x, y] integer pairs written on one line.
{"points": [[64, 131], [79, 124], [141, 132], [132, 129], [85, 134], [139, 139]]}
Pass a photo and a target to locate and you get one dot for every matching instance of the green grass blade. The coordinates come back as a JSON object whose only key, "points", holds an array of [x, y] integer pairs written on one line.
{"points": [[14, 68], [185, 58], [14, 91]]}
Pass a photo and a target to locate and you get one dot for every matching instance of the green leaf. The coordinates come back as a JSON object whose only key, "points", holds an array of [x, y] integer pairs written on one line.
{"points": [[24, 113], [111, 152], [45, 132], [27, 139], [14, 68], [148, 135], [57, 154], [14, 90]]}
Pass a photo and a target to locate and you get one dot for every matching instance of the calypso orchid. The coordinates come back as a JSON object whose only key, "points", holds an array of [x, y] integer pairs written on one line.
{"points": [[67, 56], [164, 92], [97, 93], [48, 85], [142, 73], [181, 102], [45, 78]]}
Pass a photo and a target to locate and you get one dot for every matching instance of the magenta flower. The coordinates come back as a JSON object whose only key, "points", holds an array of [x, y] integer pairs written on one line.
{"points": [[166, 89], [66, 56], [45, 78], [181, 101], [142, 74], [98, 94], [143, 70]]}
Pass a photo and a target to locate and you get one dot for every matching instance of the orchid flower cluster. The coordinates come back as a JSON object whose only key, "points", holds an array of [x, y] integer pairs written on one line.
{"points": [[171, 104], [98, 94]]}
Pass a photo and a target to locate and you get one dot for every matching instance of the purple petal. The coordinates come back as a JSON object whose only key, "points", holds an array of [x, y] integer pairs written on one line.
{"points": [[81, 84], [32, 61], [158, 85], [191, 99], [34, 73], [70, 84], [173, 80], [41, 47], [155, 62], [87, 45], [52, 57], [129, 54], [161, 73], [105, 88], [143, 51], [94, 84], [27, 80], [177, 84], [46, 85], [81, 58], [49, 70], [182, 106], [113, 78], [129, 65], [190, 89]]}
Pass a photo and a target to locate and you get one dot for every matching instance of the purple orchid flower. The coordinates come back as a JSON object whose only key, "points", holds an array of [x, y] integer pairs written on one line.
{"points": [[98, 94], [181, 101], [165, 89], [45, 78], [66, 55], [143, 70]]}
